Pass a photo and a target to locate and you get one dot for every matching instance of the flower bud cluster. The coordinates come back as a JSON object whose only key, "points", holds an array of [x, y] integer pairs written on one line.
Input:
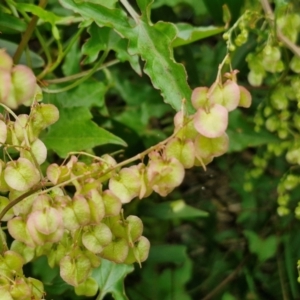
{"points": [[238, 34], [287, 183], [17, 83], [280, 113]]}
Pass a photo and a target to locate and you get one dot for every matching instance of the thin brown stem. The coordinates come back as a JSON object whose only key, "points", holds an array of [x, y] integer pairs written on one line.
{"points": [[27, 35], [281, 37], [229, 278], [82, 74], [39, 186], [22, 197]]}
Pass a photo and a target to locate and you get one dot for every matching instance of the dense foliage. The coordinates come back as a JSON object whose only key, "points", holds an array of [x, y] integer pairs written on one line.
{"points": [[116, 117]]}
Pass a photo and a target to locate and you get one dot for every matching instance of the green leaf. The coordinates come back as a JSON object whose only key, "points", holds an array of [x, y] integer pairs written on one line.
{"points": [[110, 277], [106, 3], [99, 41], [35, 60], [242, 135], [263, 248], [151, 42], [215, 8], [71, 63], [45, 15], [167, 270], [171, 210], [89, 93], [107, 39], [188, 34], [75, 131], [11, 24], [198, 6]]}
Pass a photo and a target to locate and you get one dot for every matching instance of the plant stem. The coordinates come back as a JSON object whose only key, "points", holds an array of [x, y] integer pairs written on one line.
{"points": [[86, 154], [17, 119], [81, 74], [281, 37], [76, 83], [27, 34], [39, 186], [20, 198], [61, 55], [229, 278], [131, 11], [282, 278]]}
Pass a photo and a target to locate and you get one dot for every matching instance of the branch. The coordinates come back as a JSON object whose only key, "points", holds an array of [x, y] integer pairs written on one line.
{"points": [[27, 34], [228, 279], [281, 37], [22, 197]]}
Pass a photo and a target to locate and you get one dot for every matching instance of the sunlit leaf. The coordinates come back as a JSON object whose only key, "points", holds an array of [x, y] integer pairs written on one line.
{"points": [[188, 34], [151, 42], [171, 210], [11, 24], [75, 131], [110, 277]]}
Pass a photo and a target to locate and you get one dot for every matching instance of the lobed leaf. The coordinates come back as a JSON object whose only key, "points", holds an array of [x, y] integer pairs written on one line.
{"points": [[110, 278], [151, 42], [75, 131], [188, 34]]}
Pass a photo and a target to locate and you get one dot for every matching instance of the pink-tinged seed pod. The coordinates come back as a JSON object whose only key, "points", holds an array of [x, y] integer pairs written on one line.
{"points": [[42, 116], [227, 95], [18, 230], [96, 206], [70, 220], [126, 184], [146, 188], [81, 209], [112, 203], [135, 228], [20, 289], [57, 174], [26, 252], [24, 83], [116, 251], [212, 123], [96, 237], [38, 150], [245, 99], [46, 221], [3, 132], [13, 261], [88, 288], [164, 175], [139, 252], [199, 97], [211, 147], [36, 287], [75, 270], [3, 203], [117, 227], [5, 85], [95, 259], [183, 150], [56, 254], [6, 62]]}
